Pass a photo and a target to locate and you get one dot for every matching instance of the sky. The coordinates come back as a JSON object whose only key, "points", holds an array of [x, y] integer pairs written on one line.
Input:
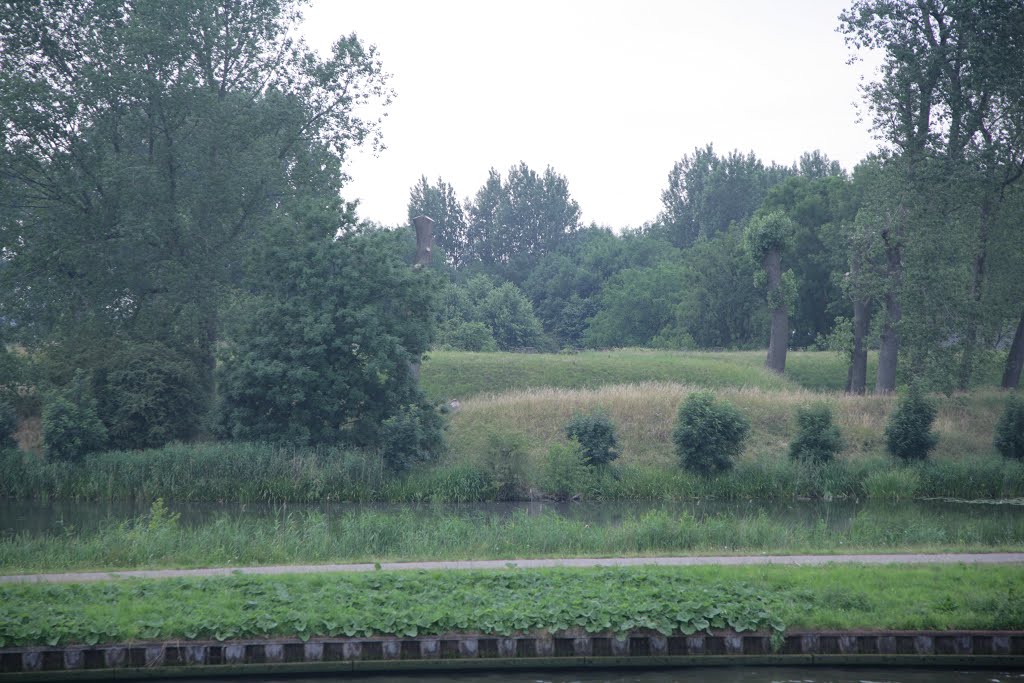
{"points": [[609, 93]]}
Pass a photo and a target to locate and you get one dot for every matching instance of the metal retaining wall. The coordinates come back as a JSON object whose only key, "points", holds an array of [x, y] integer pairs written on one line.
{"points": [[474, 651]]}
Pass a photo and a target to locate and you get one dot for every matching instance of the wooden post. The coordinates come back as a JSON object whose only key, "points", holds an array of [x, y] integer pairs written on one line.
{"points": [[424, 245]]}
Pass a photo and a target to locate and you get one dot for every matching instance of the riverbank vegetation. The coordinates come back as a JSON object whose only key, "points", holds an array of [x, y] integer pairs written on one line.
{"points": [[600, 600], [159, 540]]}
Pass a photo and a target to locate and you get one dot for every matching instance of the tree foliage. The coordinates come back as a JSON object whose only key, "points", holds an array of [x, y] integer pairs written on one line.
{"points": [[156, 143], [322, 357], [707, 192], [515, 220]]}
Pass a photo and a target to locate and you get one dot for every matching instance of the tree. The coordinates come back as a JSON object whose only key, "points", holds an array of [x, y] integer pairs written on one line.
{"points": [[503, 312], [707, 193], [767, 237], [322, 357], [818, 203], [949, 96], [637, 305], [147, 146], [720, 306], [513, 222], [440, 203], [509, 315]]}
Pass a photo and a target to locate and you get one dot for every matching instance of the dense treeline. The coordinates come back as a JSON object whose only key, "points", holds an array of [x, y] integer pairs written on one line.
{"points": [[916, 252], [177, 260]]}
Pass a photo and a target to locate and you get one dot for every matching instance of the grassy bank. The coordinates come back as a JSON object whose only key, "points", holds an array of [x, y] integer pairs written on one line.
{"points": [[612, 600], [158, 541], [645, 415], [256, 473], [457, 374], [963, 465]]}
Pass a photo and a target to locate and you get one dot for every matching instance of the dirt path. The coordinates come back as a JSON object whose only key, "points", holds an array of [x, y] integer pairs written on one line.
{"points": [[910, 558]]}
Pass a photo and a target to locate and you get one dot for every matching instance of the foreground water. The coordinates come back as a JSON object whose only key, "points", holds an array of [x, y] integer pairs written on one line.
{"points": [[689, 675], [33, 517]]}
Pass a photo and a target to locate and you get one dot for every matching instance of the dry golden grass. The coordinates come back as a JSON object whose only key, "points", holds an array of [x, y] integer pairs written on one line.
{"points": [[645, 413]]}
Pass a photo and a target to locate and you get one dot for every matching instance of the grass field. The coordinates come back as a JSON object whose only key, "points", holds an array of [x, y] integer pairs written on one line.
{"points": [[457, 374], [158, 541], [610, 600]]}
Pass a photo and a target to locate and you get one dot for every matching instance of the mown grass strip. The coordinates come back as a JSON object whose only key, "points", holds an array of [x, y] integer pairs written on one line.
{"points": [[158, 541], [617, 600], [459, 374]]}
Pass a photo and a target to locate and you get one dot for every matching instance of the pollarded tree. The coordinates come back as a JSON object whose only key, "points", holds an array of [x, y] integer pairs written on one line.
{"points": [[768, 237]]}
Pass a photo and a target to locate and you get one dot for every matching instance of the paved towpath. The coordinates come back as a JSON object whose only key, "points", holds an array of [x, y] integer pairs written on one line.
{"points": [[726, 560]]}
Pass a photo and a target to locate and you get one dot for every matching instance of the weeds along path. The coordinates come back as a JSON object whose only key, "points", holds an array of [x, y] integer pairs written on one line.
{"points": [[725, 560]]}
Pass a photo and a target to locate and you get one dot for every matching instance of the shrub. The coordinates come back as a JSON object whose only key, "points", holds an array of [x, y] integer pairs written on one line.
{"points": [[595, 433], [708, 433], [414, 435], [504, 458], [908, 434], [817, 440], [1010, 429], [149, 395], [71, 426], [8, 424], [565, 471], [472, 336]]}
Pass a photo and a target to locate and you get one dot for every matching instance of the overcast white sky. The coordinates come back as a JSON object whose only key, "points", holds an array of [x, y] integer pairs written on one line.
{"points": [[610, 93]]}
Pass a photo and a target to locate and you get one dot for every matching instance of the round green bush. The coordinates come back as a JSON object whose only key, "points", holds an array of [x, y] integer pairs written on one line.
{"points": [[817, 439], [1009, 438], [595, 433], [708, 433], [472, 336], [909, 434]]}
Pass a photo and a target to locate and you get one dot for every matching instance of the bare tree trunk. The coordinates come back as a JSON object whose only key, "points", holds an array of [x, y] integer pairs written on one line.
{"points": [[1015, 361], [889, 348], [424, 244], [776, 360], [857, 379]]}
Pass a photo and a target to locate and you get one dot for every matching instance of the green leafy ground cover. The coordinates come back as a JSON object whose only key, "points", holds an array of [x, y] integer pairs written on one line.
{"points": [[159, 541], [615, 600]]}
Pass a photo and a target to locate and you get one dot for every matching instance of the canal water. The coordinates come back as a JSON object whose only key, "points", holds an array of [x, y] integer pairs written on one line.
{"points": [[689, 675], [34, 517]]}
